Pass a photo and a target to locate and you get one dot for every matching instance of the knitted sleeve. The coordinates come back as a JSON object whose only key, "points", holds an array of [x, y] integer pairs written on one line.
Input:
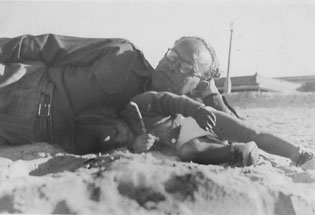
{"points": [[166, 103]]}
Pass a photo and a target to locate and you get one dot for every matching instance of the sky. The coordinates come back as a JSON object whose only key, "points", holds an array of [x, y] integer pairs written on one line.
{"points": [[271, 38]]}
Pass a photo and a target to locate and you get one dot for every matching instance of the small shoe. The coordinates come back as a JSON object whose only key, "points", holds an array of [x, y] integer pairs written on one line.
{"points": [[304, 159], [309, 165], [248, 153]]}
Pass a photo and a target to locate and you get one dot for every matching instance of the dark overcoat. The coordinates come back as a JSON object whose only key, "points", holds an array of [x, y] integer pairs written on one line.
{"points": [[47, 81]]}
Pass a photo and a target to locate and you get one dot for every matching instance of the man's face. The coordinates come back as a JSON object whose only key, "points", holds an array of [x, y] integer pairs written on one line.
{"points": [[181, 68]]}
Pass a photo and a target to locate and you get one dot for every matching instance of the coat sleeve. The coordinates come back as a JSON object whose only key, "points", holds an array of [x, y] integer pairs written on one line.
{"points": [[156, 107], [165, 103], [53, 50]]}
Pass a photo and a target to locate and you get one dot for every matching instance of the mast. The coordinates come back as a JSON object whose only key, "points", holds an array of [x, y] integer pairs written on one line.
{"points": [[227, 83]]}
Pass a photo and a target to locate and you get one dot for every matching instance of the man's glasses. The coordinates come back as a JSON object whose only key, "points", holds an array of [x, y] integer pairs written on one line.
{"points": [[186, 68]]}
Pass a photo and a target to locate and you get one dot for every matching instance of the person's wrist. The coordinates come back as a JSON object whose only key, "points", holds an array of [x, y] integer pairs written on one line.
{"points": [[198, 110]]}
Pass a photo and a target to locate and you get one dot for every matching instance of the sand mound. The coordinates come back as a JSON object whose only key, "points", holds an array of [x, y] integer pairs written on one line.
{"points": [[124, 183]]}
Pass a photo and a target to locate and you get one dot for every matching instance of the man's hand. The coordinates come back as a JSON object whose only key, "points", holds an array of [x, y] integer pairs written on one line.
{"points": [[205, 88], [143, 143], [209, 89], [205, 118]]}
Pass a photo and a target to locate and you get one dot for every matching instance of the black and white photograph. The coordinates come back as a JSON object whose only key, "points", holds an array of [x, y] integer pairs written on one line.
{"points": [[157, 107]]}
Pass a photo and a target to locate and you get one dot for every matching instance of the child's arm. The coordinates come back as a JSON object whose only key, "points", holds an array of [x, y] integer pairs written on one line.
{"points": [[152, 104]]}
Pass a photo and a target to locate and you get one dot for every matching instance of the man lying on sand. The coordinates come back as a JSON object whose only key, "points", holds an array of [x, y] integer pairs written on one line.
{"points": [[49, 83], [68, 91]]}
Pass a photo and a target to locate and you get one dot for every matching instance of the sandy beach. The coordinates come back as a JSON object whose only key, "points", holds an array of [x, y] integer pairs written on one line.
{"points": [[42, 179]]}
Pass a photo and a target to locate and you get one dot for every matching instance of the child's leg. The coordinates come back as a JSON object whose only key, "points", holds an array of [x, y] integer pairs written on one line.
{"points": [[200, 151], [236, 130]]}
